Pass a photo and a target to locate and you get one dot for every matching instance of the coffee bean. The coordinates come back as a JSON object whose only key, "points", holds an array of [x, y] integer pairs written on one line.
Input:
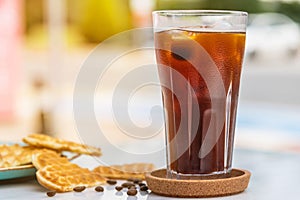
{"points": [[127, 185], [51, 193], [111, 182], [141, 184], [79, 188], [131, 187], [132, 192], [144, 188], [99, 188], [118, 188], [137, 181]]}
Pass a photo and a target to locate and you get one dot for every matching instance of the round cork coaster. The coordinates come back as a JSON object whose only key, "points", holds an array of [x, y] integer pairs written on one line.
{"points": [[236, 182]]}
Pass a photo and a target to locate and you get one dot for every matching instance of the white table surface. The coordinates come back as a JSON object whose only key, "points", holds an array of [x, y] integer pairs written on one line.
{"points": [[274, 176]]}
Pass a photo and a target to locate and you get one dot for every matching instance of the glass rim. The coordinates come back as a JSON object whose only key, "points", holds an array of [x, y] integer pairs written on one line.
{"points": [[200, 13]]}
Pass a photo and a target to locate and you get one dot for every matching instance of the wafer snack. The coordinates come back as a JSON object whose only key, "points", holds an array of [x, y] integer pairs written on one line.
{"points": [[40, 140], [126, 171], [59, 174], [15, 155], [66, 179], [46, 157]]}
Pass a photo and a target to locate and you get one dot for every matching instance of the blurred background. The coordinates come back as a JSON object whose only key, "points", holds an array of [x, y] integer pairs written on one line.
{"points": [[44, 43]]}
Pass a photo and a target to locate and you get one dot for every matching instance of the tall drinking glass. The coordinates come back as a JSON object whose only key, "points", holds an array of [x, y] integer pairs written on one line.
{"points": [[199, 55]]}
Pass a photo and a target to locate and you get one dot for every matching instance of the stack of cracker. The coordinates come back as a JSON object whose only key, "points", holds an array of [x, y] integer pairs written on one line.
{"points": [[59, 174], [15, 155]]}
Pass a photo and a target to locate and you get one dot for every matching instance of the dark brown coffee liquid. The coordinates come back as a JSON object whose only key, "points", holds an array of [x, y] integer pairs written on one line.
{"points": [[175, 54]]}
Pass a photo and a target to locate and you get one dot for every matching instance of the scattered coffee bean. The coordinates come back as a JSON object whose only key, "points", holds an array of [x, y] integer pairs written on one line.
{"points": [[79, 188], [127, 185], [111, 182], [132, 192], [131, 187], [135, 180], [51, 193], [118, 188], [99, 188], [144, 188], [141, 184]]}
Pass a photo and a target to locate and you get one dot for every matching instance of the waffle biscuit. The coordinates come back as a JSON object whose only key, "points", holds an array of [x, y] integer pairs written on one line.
{"points": [[59, 174], [15, 155], [64, 179], [126, 171], [46, 157], [40, 140]]}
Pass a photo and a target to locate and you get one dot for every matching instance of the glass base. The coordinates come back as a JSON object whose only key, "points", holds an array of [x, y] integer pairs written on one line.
{"points": [[214, 175]]}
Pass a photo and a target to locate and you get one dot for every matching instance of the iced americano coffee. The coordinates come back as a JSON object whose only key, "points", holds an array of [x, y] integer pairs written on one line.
{"points": [[199, 57]]}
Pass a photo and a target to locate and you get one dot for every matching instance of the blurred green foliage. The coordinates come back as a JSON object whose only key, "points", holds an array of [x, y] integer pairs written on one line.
{"points": [[251, 6], [245, 5], [291, 9]]}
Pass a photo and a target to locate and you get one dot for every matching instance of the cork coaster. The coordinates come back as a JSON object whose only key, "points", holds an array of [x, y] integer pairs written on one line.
{"points": [[236, 182]]}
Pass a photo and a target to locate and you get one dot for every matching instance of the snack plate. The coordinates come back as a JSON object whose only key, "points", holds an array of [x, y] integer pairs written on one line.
{"points": [[24, 171], [16, 172], [9, 173]]}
